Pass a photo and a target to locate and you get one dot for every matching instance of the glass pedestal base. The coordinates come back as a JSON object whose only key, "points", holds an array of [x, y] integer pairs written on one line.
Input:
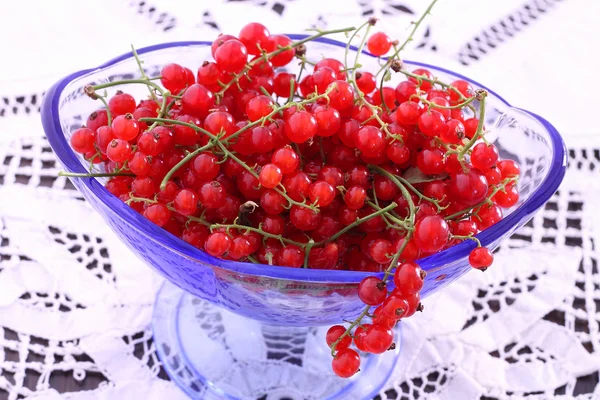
{"points": [[212, 353]]}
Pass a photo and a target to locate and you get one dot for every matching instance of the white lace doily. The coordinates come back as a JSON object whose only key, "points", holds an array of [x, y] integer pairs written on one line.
{"points": [[75, 305]]}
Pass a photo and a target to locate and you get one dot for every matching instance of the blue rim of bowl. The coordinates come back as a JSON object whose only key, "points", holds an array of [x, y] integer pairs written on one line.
{"points": [[53, 130]]}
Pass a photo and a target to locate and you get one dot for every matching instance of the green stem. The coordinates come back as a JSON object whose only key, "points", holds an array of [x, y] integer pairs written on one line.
{"points": [[309, 246], [260, 231], [181, 163], [139, 63], [469, 237], [349, 329], [108, 113], [356, 223], [478, 132]]}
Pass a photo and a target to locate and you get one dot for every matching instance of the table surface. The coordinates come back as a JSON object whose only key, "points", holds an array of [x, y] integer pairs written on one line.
{"points": [[53, 343]]}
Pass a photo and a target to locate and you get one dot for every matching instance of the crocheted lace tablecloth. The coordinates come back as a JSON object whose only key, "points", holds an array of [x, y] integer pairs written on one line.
{"points": [[75, 305]]}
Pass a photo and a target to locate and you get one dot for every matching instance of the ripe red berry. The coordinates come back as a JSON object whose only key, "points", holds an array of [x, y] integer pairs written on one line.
{"points": [[378, 339], [431, 233], [380, 250], [359, 335], [197, 100], [212, 194], [408, 278], [481, 258], [372, 291], [186, 202], [509, 169], [370, 141], [420, 82], [82, 140], [484, 156], [290, 256], [173, 78], [304, 218], [286, 159], [255, 37], [121, 103], [217, 244], [276, 42], [259, 107], [345, 363], [334, 333], [322, 193], [231, 56], [379, 44], [507, 198], [118, 150], [125, 127], [270, 176], [366, 82], [158, 213], [301, 126], [470, 188]]}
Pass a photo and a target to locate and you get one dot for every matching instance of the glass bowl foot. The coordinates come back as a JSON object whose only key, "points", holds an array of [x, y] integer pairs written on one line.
{"points": [[212, 353]]}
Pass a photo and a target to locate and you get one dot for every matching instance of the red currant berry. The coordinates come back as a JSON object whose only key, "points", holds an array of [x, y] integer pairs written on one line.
{"points": [[304, 218], [481, 258], [408, 278], [464, 88], [231, 56], [328, 120], [453, 133], [125, 127], [118, 151], [431, 161], [276, 43], [174, 78], [270, 176], [217, 244], [378, 339], [345, 363], [469, 188], [431, 233], [380, 251], [82, 140], [286, 159], [97, 119], [255, 37], [359, 336], [121, 103], [395, 307], [431, 123], [405, 90], [366, 82], [322, 193], [372, 291], [355, 197], [379, 44], [334, 333], [408, 113], [370, 141], [212, 194], [301, 126], [509, 169], [158, 214], [507, 198], [282, 84], [197, 100], [186, 202], [484, 156], [290, 256], [341, 96], [259, 107]]}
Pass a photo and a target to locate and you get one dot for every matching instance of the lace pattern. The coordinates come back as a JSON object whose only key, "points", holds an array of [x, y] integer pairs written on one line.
{"points": [[76, 305]]}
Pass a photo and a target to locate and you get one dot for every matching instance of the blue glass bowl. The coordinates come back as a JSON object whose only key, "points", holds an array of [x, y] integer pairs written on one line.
{"points": [[271, 294]]}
